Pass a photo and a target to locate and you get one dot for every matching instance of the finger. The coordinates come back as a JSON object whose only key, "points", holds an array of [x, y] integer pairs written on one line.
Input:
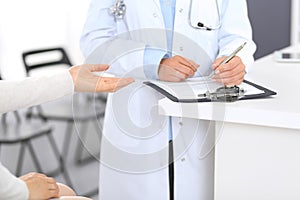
{"points": [[178, 74], [234, 80], [233, 63], [217, 62], [229, 75], [175, 65], [52, 186], [189, 63], [107, 84], [51, 180], [239, 81], [193, 66], [37, 174], [53, 193], [172, 78], [176, 71], [238, 70], [97, 67], [188, 72], [175, 79], [122, 82]]}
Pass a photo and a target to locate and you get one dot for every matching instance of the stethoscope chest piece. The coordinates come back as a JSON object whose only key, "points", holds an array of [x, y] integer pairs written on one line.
{"points": [[118, 10]]}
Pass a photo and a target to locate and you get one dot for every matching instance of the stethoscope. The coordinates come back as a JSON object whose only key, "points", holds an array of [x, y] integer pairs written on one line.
{"points": [[201, 25], [118, 10]]}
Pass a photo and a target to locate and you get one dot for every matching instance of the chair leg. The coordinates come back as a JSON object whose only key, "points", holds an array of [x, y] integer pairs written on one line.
{"points": [[20, 159], [80, 143], [67, 138], [94, 191], [29, 113], [34, 157], [60, 160], [101, 129]]}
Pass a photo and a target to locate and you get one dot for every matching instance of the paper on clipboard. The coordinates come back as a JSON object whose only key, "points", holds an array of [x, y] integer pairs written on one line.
{"points": [[192, 87]]}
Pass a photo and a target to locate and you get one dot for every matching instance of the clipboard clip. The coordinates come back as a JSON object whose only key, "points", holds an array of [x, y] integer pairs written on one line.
{"points": [[224, 94]]}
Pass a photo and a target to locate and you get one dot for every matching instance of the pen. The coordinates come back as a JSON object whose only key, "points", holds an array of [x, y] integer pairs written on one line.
{"points": [[228, 58]]}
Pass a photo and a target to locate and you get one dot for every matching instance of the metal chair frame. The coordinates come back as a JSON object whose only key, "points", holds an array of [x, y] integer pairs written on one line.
{"points": [[68, 119], [26, 141]]}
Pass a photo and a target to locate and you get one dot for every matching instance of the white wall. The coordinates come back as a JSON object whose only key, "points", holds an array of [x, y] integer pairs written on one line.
{"points": [[31, 24], [295, 22]]}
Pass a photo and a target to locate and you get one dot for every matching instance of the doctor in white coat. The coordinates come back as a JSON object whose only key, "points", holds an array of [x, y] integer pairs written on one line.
{"points": [[171, 41]]}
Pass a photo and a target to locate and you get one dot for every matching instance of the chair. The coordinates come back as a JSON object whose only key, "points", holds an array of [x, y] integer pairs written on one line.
{"points": [[62, 59], [23, 132], [63, 111]]}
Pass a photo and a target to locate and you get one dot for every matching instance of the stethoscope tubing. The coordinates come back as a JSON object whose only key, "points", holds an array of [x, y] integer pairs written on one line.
{"points": [[202, 26], [120, 9]]}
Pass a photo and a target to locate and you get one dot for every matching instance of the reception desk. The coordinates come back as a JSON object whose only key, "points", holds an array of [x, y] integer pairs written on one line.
{"points": [[257, 152]]}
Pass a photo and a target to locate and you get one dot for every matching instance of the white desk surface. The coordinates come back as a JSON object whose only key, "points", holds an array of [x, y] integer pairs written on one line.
{"points": [[282, 110]]}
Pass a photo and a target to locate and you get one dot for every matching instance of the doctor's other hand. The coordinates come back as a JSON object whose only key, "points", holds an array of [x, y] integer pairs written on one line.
{"points": [[85, 81], [40, 186], [176, 69], [231, 73]]}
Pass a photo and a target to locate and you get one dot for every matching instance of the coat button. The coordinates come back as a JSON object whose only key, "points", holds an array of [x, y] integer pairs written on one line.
{"points": [[180, 10], [181, 48], [155, 15], [180, 123], [182, 159]]}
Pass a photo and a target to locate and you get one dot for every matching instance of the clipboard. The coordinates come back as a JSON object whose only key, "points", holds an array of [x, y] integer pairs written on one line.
{"points": [[265, 92]]}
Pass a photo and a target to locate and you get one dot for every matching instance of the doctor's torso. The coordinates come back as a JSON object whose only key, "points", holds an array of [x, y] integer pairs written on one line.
{"points": [[147, 15]]}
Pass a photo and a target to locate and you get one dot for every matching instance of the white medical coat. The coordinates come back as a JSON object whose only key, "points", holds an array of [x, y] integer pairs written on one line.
{"points": [[134, 151]]}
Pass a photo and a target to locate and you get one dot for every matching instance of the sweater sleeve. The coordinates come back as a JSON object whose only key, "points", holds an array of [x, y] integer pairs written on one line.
{"points": [[11, 187], [34, 90]]}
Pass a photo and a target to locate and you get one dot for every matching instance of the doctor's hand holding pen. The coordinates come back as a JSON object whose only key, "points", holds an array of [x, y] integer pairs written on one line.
{"points": [[229, 70], [85, 81], [176, 69], [230, 73]]}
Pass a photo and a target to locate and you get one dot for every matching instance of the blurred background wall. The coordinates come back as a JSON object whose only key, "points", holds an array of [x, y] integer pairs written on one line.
{"points": [[271, 21], [31, 24]]}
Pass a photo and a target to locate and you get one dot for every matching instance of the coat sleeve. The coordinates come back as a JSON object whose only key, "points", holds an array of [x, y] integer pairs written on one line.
{"points": [[34, 90], [11, 187], [235, 30], [99, 26], [107, 41]]}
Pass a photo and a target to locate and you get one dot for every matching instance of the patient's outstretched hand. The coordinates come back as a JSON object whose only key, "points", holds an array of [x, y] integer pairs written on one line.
{"points": [[85, 81]]}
